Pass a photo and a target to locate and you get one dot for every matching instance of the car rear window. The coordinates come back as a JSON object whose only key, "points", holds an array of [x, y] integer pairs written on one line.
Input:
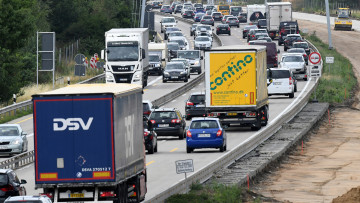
{"points": [[201, 124], [146, 107], [197, 98], [262, 22], [163, 115], [278, 74], [296, 51], [216, 14], [4, 179], [301, 45], [293, 59]]}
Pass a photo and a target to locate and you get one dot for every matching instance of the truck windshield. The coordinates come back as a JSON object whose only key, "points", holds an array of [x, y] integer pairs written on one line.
{"points": [[154, 58], [223, 7], [122, 51], [343, 14], [236, 9], [189, 54], [173, 46]]}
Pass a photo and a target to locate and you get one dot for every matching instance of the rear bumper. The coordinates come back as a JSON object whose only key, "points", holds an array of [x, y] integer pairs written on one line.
{"points": [[195, 69], [238, 121], [216, 143], [176, 131]]}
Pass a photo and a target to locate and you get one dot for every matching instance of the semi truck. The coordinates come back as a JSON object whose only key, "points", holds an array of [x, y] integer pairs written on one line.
{"points": [[277, 12], [236, 85], [126, 55], [254, 13], [88, 146]]}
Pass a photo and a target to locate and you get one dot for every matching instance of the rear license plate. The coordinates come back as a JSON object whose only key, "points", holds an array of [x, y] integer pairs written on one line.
{"points": [[231, 114], [163, 125], [200, 105], [223, 29], [232, 21], [277, 83], [204, 135], [77, 195], [174, 77]]}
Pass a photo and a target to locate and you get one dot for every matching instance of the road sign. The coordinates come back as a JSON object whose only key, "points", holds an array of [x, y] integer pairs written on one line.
{"points": [[80, 70], [315, 71], [80, 59], [315, 58], [329, 59], [184, 166]]}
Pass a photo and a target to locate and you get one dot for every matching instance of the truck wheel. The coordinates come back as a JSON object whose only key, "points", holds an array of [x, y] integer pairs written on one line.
{"points": [[291, 95], [305, 79], [189, 75], [188, 150]]}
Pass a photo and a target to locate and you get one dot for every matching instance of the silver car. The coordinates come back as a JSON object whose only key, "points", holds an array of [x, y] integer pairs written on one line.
{"points": [[203, 42], [12, 139]]}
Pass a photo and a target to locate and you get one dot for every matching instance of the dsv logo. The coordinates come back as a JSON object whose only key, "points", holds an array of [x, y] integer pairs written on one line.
{"points": [[61, 124]]}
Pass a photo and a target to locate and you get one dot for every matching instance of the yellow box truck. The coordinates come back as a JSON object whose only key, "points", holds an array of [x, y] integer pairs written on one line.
{"points": [[236, 85]]}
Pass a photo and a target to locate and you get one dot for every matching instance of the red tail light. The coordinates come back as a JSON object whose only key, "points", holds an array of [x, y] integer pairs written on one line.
{"points": [[297, 32], [217, 29], [188, 133], [290, 81], [237, 21], [304, 55], [49, 195], [202, 20], [7, 188], [147, 112], [190, 103], [146, 134], [219, 133], [175, 121], [253, 36], [221, 16], [229, 28], [193, 14], [107, 194], [153, 121], [227, 21]]}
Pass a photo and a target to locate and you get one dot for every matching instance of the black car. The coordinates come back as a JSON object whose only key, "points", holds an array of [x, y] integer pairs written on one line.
{"points": [[178, 9], [168, 30], [150, 136], [155, 64], [290, 39], [195, 106], [242, 17], [247, 28], [285, 28], [175, 71], [10, 185], [303, 45], [223, 29], [262, 24], [168, 122], [172, 49], [217, 16], [188, 14]]}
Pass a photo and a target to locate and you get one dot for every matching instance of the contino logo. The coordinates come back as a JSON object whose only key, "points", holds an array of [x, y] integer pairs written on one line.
{"points": [[232, 70], [61, 124]]}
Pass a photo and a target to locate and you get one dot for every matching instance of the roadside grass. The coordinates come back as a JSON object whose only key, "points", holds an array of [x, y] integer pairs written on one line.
{"points": [[19, 114], [338, 82]]}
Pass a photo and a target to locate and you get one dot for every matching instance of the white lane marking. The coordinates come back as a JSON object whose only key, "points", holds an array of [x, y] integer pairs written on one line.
{"points": [[163, 141], [173, 101], [184, 95], [154, 81]]}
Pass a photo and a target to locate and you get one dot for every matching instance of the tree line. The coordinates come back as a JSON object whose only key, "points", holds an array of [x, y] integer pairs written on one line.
{"points": [[84, 20]]}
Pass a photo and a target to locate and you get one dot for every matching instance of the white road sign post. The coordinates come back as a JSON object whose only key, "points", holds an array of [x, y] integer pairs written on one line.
{"points": [[329, 60], [184, 166]]}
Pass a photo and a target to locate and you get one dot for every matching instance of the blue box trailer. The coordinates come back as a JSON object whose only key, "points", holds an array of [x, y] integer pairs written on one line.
{"points": [[88, 146]]}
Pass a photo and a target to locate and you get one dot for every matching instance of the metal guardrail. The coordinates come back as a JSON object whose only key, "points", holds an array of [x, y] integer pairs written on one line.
{"points": [[27, 105], [18, 161]]}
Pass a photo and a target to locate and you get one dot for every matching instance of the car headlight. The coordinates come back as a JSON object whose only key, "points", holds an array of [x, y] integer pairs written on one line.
{"points": [[166, 74], [16, 142], [157, 65], [196, 62], [184, 73]]}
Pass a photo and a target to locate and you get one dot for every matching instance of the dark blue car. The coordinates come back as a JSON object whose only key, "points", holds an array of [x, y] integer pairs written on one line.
{"points": [[205, 133], [198, 17]]}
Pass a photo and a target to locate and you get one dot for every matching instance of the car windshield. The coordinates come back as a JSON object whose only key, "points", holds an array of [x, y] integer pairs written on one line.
{"points": [[168, 20], [197, 98], [205, 124], [207, 17], [296, 51], [180, 42], [9, 131], [173, 46], [203, 27], [154, 58], [216, 14], [188, 54], [202, 39], [174, 66], [122, 51], [175, 34], [294, 38], [301, 45], [293, 59], [3, 179], [163, 115], [277, 74]]}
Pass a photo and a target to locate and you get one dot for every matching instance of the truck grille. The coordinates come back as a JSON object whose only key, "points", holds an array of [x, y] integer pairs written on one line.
{"points": [[123, 78], [122, 68], [4, 143]]}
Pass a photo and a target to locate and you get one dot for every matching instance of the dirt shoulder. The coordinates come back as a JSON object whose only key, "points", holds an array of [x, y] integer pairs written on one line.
{"points": [[328, 165]]}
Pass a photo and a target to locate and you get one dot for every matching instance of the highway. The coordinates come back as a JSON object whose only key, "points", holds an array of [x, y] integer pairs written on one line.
{"points": [[161, 165]]}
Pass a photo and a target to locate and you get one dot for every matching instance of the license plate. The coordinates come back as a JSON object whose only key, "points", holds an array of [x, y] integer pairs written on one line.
{"points": [[223, 29], [163, 125], [200, 105], [231, 114], [343, 22], [277, 83], [77, 195], [232, 21], [174, 77], [204, 135]]}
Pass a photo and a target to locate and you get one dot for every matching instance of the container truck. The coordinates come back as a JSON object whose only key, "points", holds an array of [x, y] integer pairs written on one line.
{"points": [[88, 146], [277, 12], [126, 55], [236, 85], [254, 13]]}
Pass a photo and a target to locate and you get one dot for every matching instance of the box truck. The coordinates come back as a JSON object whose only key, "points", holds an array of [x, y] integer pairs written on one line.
{"points": [[126, 55], [88, 146], [254, 13], [277, 12], [236, 85]]}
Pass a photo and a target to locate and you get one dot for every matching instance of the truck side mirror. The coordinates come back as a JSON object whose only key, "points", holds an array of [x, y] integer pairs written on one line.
{"points": [[143, 53], [201, 57], [102, 54]]}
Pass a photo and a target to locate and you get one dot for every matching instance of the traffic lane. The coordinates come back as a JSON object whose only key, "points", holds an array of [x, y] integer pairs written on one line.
{"points": [[161, 165]]}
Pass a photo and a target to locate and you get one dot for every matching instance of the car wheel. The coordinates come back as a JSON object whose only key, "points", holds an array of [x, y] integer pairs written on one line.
{"points": [[243, 37], [279, 43], [229, 33], [188, 150], [305, 79], [291, 95], [238, 26], [222, 148], [181, 136], [187, 118], [162, 31], [191, 34], [295, 88], [285, 48], [155, 149], [164, 81], [186, 80], [225, 148], [151, 150], [199, 72]]}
